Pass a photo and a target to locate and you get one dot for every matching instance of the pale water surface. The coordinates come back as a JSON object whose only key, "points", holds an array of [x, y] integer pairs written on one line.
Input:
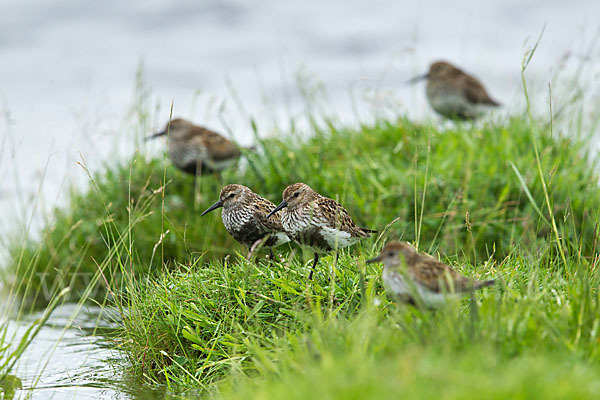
{"points": [[67, 78]]}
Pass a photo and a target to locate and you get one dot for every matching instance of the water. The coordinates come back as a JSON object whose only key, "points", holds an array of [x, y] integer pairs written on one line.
{"points": [[71, 367], [67, 76], [79, 366]]}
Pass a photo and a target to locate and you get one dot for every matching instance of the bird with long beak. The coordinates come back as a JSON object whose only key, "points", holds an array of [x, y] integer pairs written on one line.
{"points": [[245, 217], [419, 279], [453, 93], [197, 150], [317, 222]]}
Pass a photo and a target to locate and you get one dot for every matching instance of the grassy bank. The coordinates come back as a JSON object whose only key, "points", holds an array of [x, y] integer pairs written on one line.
{"points": [[471, 192], [474, 195], [511, 353], [197, 315], [269, 333]]}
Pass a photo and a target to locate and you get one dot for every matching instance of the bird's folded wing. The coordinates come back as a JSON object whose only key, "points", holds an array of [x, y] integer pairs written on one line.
{"points": [[436, 276], [336, 217], [262, 208], [220, 147], [475, 92]]}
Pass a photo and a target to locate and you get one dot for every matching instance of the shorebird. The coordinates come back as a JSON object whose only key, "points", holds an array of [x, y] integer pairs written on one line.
{"points": [[317, 222], [197, 150], [453, 93], [245, 218], [416, 278]]}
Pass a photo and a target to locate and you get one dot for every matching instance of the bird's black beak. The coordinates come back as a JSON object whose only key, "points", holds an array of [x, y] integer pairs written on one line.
{"points": [[213, 207], [281, 205], [416, 79], [374, 260], [157, 134]]}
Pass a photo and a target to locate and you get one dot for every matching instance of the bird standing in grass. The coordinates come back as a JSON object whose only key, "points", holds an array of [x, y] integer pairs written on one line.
{"points": [[317, 222], [416, 278], [245, 218], [455, 94], [197, 150]]}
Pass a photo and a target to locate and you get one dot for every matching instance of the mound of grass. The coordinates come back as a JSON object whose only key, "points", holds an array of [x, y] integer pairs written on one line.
{"points": [[201, 317], [471, 192], [197, 315], [263, 331], [364, 359]]}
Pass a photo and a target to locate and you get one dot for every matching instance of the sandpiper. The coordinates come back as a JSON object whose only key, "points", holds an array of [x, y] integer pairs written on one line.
{"points": [[416, 278], [245, 217], [453, 93], [197, 150], [317, 222]]}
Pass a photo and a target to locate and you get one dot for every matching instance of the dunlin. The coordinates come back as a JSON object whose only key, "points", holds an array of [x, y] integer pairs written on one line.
{"points": [[416, 278], [245, 217], [197, 150], [317, 222], [455, 94]]}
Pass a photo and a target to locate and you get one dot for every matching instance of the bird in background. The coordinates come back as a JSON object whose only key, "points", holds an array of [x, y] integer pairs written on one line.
{"points": [[416, 278], [197, 150], [453, 93], [317, 222], [245, 218]]}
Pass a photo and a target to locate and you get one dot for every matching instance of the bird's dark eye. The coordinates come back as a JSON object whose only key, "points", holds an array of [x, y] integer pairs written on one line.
{"points": [[391, 253], [296, 194], [231, 196]]}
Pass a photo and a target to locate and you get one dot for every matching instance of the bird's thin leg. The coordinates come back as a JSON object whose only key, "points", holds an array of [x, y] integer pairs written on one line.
{"points": [[198, 182], [313, 266], [194, 190], [271, 257], [337, 255]]}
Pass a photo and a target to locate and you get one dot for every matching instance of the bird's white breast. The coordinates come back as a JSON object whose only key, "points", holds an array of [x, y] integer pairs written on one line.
{"points": [[401, 285], [456, 103], [235, 218], [183, 154], [337, 238]]}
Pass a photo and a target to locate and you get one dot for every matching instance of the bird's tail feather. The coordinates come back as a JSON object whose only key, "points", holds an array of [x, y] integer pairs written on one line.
{"points": [[366, 230]]}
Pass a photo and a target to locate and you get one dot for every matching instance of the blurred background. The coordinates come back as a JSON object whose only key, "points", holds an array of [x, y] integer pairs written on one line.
{"points": [[73, 73]]}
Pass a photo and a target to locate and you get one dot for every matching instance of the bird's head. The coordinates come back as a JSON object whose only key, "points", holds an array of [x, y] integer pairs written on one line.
{"points": [[294, 196], [230, 196], [394, 254], [176, 128]]}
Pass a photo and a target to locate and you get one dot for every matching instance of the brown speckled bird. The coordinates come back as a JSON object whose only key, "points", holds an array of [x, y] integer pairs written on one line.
{"points": [[197, 150], [245, 217], [455, 94], [416, 278], [317, 222]]}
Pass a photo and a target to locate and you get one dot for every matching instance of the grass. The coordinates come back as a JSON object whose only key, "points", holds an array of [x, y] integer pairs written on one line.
{"points": [[471, 192], [234, 327], [363, 358], [263, 331], [512, 201]]}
